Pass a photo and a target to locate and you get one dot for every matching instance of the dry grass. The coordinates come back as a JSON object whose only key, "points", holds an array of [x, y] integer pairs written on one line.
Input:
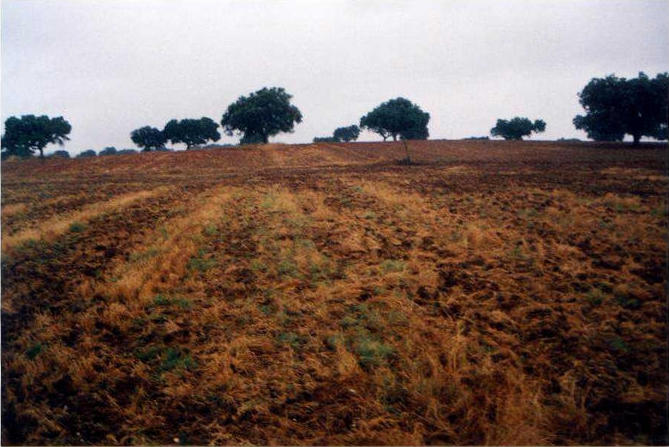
{"points": [[14, 209], [57, 225], [514, 304], [154, 267]]}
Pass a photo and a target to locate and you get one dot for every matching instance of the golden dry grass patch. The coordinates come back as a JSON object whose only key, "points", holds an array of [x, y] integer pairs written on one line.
{"points": [[653, 178], [14, 209], [635, 173], [164, 258], [459, 169], [57, 225]]}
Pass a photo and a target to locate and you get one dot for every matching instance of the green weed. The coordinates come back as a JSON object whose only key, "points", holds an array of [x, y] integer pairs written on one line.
{"points": [[269, 201], [333, 341], [142, 256], [77, 227], [175, 359], [149, 354], [288, 267], [267, 309], [595, 297], [210, 230], [258, 266], [660, 211], [618, 344], [34, 350], [371, 352], [627, 302], [200, 263], [290, 338], [528, 213], [392, 265]]}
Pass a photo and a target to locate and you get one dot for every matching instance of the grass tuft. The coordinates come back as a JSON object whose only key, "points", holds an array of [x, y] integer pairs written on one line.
{"points": [[393, 265], [77, 227], [34, 351]]}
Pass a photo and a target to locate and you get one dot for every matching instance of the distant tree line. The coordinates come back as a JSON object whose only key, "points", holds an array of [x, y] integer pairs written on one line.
{"points": [[341, 134], [191, 132], [255, 118], [396, 118], [109, 150], [614, 107]]}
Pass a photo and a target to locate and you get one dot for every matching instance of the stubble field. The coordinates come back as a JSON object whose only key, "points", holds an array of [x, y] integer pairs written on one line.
{"points": [[494, 293]]}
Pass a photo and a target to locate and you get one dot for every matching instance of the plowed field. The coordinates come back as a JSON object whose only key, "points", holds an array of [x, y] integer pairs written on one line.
{"points": [[492, 293]]}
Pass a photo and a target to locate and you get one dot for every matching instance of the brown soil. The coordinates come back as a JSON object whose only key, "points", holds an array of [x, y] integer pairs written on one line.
{"points": [[492, 293]]}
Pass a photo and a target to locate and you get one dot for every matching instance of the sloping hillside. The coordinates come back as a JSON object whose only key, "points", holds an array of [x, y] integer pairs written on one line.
{"points": [[494, 293]]}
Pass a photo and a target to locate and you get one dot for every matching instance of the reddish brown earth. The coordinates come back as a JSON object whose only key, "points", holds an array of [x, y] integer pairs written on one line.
{"points": [[492, 293]]}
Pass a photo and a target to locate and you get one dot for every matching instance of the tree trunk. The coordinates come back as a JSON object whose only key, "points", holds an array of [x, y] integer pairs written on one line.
{"points": [[41, 153], [394, 137], [406, 149], [637, 138], [265, 139]]}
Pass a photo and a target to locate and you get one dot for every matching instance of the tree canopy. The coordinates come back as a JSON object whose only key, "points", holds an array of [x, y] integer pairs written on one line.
{"points": [[397, 118], [109, 150], [192, 132], [325, 140], [618, 106], [23, 136], [350, 133], [517, 128], [261, 115], [60, 154], [87, 153], [148, 138]]}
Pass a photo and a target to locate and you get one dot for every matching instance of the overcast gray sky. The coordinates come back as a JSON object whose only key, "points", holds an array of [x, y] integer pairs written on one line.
{"points": [[112, 66]]}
